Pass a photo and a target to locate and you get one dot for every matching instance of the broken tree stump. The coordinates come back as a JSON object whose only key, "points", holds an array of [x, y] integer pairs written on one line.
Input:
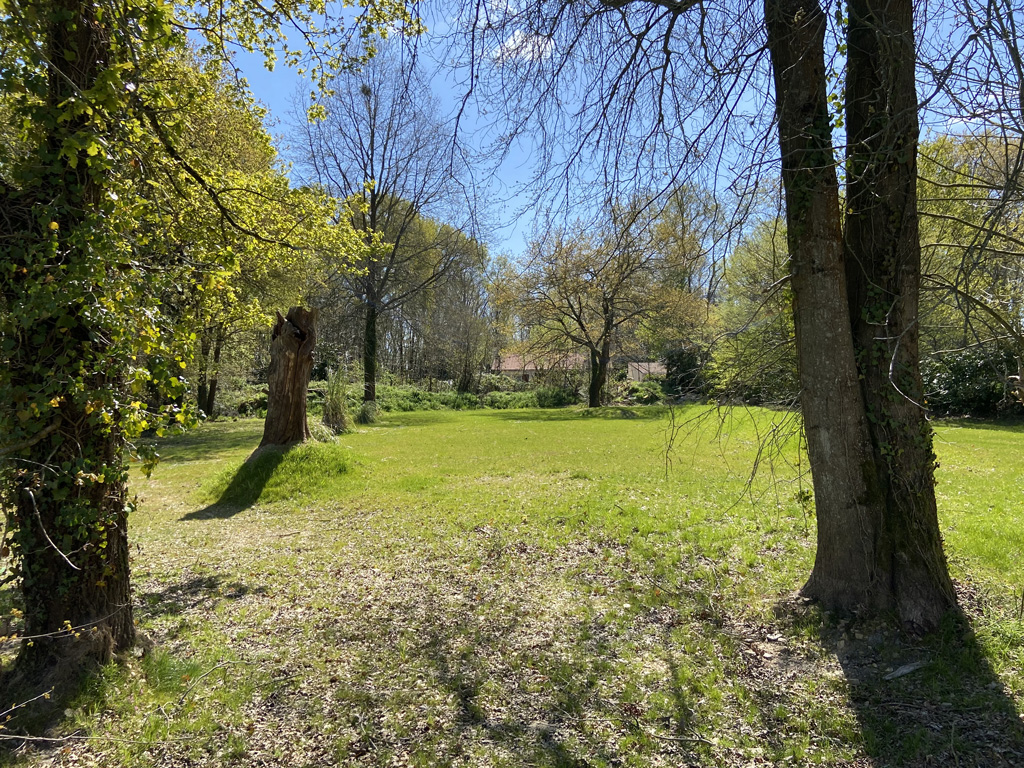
{"points": [[291, 364]]}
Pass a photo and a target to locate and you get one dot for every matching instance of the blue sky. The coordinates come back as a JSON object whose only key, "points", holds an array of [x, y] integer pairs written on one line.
{"points": [[276, 90]]}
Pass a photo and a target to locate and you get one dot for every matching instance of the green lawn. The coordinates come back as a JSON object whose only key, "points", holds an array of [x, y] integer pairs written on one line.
{"points": [[542, 588]]}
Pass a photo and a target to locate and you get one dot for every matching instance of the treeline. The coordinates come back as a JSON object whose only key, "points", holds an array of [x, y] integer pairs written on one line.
{"points": [[652, 282]]}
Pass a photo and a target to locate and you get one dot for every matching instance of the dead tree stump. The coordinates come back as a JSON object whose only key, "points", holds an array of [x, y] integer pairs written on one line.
{"points": [[291, 364]]}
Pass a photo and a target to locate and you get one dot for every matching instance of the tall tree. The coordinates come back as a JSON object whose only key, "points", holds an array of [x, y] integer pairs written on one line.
{"points": [[652, 88], [384, 143], [81, 269], [855, 305]]}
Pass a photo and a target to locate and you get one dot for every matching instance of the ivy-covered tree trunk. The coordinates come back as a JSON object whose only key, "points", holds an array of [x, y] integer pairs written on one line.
{"points": [[73, 544], [883, 275], [855, 311], [64, 478], [291, 364]]}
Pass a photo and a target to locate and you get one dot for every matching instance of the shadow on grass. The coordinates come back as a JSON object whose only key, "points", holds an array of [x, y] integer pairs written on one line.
{"points": [[245, 486], [1014, 426], [209, 440], [952, 711], [191, 592], [932, 701], [541, 729]]}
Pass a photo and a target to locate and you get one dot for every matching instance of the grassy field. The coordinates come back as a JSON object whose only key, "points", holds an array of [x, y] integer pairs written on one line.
{"points": [[541, 588]]}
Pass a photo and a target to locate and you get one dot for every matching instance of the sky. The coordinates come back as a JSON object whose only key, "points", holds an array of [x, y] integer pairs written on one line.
{"points": [[508, 232]]}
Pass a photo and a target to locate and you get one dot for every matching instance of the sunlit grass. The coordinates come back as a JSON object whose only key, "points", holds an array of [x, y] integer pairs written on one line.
{"points": [[534, 588]]}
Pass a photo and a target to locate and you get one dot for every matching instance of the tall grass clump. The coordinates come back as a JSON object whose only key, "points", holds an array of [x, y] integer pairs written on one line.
{"points": [[335, 415], [367, 413]]}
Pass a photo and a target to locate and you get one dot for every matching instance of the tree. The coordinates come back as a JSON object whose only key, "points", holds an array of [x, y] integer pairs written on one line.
{"points": [[82, 199], [754, 354], [383, 142], [855, 285], [973, 268], [587, 291], [686, 234], [655, 88], [446, 326], [291, 363]]}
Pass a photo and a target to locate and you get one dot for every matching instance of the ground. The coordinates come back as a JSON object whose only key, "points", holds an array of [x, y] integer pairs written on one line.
{"points": [[538, 588]]}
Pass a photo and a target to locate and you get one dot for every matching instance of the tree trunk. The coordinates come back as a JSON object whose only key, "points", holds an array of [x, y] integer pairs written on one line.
{"points": [[75, 577], [883, 272], [214, 376], [846, 499], [370, 354], [203, 384], [291, 363], [599, 359], [68, 496], [863, 508]]}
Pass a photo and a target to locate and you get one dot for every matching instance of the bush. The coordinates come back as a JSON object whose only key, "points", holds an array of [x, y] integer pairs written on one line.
{"points": [[646, 392], [555, 397], [686, 371], [505, 400], [252, 402], [367, 414], [321, 433], [971, 382], [496, 382], [335, 408]]}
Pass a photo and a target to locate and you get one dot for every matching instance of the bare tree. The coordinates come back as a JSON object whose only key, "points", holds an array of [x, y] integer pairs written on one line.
{"points": [[384, 144]]}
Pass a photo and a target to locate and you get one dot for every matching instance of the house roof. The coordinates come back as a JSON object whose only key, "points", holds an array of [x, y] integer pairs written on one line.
{"points": [[538, 362]]}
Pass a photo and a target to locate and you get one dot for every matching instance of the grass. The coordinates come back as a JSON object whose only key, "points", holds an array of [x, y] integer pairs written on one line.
{"points": [[541, 588]]}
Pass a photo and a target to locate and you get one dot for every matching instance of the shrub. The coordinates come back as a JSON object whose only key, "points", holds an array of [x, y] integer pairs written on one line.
{"points": [[335, 413], [252, 402], [367, 414], [409, 398], [970, 382], [555, 397], [496, 382], [504, 400], [321, 433], [646, 392], [686, 371]]}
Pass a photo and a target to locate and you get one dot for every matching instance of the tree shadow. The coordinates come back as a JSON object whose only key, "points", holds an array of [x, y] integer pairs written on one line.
{"points": [[208, 440], [191, 592], [931, 701], [610, 413], [1014, 425], [245, 486], [546, 732]]}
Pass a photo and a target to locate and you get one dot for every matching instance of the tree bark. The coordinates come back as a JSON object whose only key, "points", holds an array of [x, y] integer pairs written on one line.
{"points": [[883, 272], [599, 359], [291, 364], [878, 540], [214, 376], [847, 501], [70, 497], [203, 383], [75, 580], [370, 354]]}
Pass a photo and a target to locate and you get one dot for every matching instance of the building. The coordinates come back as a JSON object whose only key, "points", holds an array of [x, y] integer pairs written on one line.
{"points": [[528, 366], [640, 371]]}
